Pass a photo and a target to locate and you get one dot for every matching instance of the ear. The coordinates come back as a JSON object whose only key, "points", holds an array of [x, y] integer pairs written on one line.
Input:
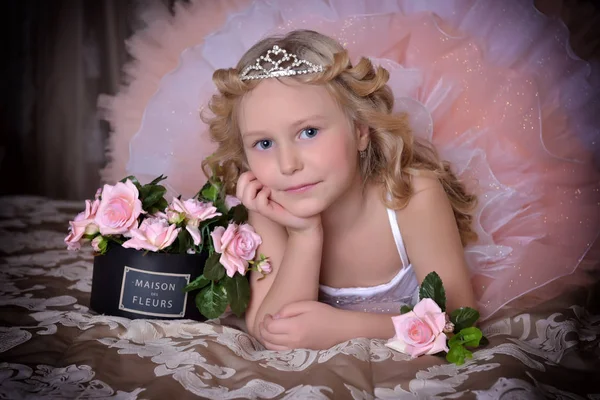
{"points": [[362, 136]]}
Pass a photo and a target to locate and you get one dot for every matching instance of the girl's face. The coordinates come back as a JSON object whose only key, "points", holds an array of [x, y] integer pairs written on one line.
{"points": [[299, 143]]}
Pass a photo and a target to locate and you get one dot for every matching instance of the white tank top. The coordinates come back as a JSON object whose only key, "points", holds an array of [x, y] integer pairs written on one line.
{"points": [[403, 289]]}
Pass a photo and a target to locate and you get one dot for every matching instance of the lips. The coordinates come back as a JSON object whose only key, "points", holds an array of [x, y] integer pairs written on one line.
{"points": [[300, 188]]}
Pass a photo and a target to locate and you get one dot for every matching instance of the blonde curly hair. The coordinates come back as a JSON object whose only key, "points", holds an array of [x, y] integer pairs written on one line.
{"points": [[393, 155]]}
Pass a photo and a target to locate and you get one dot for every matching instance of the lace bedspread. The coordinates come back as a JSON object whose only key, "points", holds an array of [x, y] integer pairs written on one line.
{"points": [[52, 346]]}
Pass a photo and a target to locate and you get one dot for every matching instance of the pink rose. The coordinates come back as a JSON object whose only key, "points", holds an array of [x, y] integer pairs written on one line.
{"points": [[264, 267], [194, 209], [193, 227], [231, 201], [153, 234], [99, 244], [237, 245], [83, 224], [119, 208], [170, 215], [420, 331], [195, 212]]}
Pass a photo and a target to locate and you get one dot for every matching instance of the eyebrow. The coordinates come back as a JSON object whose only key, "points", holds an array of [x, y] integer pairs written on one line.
{"points": [[294, 125]]}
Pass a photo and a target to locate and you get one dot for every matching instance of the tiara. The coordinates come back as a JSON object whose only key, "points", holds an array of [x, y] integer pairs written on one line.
{"points": [[294, 66]]}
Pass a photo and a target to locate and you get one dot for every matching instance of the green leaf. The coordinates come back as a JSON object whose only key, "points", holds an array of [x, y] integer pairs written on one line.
{"points": [[213, 269], [212, 301], [222, 220], [144, 192], [202, 189], [471, 336], [239, 214], [221, 207], [433, 288], [464, 317], [155, 193], [238, 293], [458, 354], [468, 337], [197, 283], [210, 193], [184, 241], [133, 180], [157, 180], [161, 205], [405, 309]]}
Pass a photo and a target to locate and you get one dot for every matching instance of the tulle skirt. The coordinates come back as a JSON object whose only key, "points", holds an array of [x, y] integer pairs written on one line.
{"points": [[494, 85]]}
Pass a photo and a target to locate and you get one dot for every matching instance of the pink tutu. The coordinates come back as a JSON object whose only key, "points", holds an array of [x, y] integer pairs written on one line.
{"points": [[493, 84]]}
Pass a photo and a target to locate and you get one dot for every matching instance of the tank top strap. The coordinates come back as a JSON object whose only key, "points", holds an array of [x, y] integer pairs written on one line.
{"points": [[398, 237]]}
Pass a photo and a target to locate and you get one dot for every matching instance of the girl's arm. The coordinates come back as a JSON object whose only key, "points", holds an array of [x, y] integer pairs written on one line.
{"points": [[295, 259], [293, 246], [433, 242], [319, 326]]}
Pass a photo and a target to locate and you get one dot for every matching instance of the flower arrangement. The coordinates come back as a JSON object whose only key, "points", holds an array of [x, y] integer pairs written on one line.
{"points": [[427, 329], [139, 217]]}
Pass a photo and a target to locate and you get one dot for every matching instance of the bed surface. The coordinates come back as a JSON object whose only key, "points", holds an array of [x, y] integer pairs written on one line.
{"points": [[53, 346]]}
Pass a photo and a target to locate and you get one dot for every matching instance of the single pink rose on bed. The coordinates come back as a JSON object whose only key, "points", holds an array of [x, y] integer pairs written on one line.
{"points": [[231, 201], [83, 224], [237, 245], [119, 208], [420, 331], [153, 234]]}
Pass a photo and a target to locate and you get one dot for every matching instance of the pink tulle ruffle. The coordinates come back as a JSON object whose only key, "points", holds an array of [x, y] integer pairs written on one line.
{"points": [[492, 84]]}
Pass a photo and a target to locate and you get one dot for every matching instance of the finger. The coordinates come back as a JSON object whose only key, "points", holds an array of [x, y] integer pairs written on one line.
{"points": [[276, 326], [293, 309], [275, 211], [262, 200], [279, 326], [250, 192], [243, 180], [274, 338], [272, 346]]}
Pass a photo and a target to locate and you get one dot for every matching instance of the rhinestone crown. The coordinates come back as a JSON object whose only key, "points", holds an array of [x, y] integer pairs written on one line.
{"points": [[286, 65]]}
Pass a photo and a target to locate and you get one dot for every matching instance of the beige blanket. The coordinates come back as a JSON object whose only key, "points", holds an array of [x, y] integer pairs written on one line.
{"points": [[52, 346]]}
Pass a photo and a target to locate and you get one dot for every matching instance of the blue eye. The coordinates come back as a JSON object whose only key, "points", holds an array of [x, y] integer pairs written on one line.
{"points": [[263, 144], [309, 133]]}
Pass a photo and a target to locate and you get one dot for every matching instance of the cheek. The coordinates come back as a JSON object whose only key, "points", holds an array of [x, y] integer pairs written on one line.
{"points": [[340, 155], [262, 167]]}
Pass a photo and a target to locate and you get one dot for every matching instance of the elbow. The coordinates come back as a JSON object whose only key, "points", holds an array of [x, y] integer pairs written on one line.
{"points": [[252, 324], [250, 318], [252, 327]]}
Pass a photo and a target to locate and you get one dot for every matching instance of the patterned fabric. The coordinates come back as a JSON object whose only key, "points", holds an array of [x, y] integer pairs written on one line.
{"points": [[53, 346]]}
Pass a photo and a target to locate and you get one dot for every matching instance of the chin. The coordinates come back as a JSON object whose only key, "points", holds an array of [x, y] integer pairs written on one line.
{"points": [[305, 208]]}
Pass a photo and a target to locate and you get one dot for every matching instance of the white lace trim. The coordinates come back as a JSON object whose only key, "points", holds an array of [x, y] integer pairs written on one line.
{"points": [[370, 290]]}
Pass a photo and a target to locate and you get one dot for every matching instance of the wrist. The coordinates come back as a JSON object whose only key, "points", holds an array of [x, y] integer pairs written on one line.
{"points": [[359, 324], [314, 232]]}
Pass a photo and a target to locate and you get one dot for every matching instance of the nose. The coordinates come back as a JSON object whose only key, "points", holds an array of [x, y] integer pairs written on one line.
{"points": [[290, 160]]}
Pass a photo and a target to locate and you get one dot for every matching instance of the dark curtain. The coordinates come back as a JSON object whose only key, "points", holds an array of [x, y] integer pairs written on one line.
{"points": [[59, 56]]}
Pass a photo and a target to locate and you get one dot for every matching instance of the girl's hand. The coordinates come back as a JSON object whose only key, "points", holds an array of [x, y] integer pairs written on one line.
{"points": [[256, 197], [304, 324]]}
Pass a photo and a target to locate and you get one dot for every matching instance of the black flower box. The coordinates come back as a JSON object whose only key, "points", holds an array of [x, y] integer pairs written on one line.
{"points": [[143, 284]]}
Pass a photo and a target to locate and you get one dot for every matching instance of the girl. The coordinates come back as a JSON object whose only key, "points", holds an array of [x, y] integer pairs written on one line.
{"points": [[353, 211]]}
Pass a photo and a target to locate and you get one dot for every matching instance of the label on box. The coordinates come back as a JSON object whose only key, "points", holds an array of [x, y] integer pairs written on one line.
{"points": [[159, 294]]}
